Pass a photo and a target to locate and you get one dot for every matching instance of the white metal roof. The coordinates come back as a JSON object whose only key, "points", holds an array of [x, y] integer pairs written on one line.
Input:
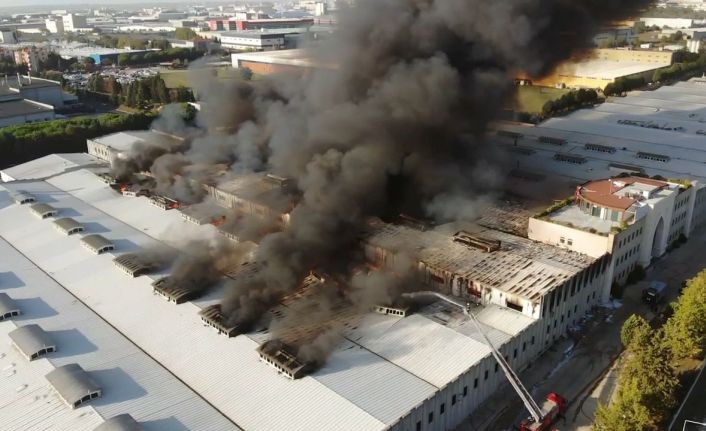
{"points": [[132, 382], [366, 383], [680, 106], [47, 166]]}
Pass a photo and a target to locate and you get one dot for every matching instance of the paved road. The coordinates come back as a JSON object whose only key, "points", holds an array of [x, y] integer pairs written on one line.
{"points": [[694, 407], [589, 373]]}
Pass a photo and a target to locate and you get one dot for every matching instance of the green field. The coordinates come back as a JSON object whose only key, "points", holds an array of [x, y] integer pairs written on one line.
{"points": [[180, 78], [532, 98]]}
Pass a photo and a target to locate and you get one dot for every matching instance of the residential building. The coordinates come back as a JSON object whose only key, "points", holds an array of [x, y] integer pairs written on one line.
{"points": [[55, 25], [73, 22]]}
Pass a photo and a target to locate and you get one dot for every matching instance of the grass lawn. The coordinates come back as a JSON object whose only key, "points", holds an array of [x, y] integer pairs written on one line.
{"points": [[175, 78], [532, 98]]}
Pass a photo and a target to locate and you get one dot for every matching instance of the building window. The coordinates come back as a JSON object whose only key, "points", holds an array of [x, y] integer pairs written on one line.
{"points": [[562, 240], [524, 346], [514, 355], [419, 425], [431, 417], [569, 242], [485, 375], [453, 400], [532, 340], [442, 408], [496, 367]]}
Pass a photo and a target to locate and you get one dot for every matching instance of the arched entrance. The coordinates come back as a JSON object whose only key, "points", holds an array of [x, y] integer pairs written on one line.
{"points": [[656, 249]]}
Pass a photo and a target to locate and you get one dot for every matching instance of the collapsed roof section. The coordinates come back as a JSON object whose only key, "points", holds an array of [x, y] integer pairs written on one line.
{"points": [[32, 341], [284, 358], [73, 384]]}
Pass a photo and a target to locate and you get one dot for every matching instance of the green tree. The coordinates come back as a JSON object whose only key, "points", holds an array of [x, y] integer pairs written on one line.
{"points": [[686, 329], [634, 328], [159, 43], [184, 33]]}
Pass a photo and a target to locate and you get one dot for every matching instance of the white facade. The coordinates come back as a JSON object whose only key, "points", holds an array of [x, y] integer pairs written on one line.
{"points": [[55, 25], [256, 42], [7, 36], [668, 22], [73, 22]]}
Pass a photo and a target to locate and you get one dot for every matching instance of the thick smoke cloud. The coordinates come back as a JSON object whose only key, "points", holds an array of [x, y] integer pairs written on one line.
{"points": [[398, 125]]}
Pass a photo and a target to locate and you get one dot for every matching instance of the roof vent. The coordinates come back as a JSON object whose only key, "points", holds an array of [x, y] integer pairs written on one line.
{"points": [[175, 293], [282, 357], [550, 140], [74, 385], [43, 210], [21, 197], [123, 422], [108, 179], [213, 317], [32, 341], [470, 240], [8, 307], [68, 226], [164, 202], [97, 244], [396, 309], [133, 265], [569, 158]]}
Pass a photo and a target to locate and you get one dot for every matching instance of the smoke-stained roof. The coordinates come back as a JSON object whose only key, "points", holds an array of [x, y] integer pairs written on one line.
{"points": [[368, 390]]}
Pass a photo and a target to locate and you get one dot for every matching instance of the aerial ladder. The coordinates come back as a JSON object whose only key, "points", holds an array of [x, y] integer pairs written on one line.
{"points": [[541, 417]]}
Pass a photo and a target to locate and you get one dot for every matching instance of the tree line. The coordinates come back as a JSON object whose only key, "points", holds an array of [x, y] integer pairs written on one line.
{"points": [[570, 101], [649, 380], [139, 93], [25, 142], [171, 54]]}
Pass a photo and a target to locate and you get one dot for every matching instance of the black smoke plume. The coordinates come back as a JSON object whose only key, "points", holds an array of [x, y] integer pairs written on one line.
{"points": [[398, 125]]}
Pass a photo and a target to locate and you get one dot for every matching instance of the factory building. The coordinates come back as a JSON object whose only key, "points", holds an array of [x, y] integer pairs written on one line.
{"points": [[298, 61], [74, 22], [255, 40], [111, 147], [634, 165], [438, 368], [258, 24], [22, 111], [607, 65], [38, 90]]}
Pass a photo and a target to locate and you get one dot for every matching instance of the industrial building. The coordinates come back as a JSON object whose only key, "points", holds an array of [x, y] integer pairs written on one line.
{"points": [[437, 367], [255, 40], [111, 147], [22, 111], [298, 61], [258, 24], [37, 90], [607, 65], [656, 134]]}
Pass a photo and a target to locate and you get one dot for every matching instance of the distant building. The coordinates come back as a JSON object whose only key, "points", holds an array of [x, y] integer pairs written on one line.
{"points": [[668, 22], [73, 22], [31, 56], [253, 40], [257, 24], [55, 25], [170, 15], [286, 61], [39, 90], [611, 37], [607, 65], [15, 111], [8, 36]]}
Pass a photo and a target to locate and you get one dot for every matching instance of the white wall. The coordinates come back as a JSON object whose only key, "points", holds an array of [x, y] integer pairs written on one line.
{"points": [[584, 242]]}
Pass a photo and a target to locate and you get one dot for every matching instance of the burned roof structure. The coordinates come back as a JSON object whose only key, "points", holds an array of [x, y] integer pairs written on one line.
{"points": [[123, 422], [97, 243], [73, 384], [8, 307], [44, 210], [32, 341], [214, 317], [174, 292], [284, 358], [68, 226], [163, 202], [133, 265]]}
